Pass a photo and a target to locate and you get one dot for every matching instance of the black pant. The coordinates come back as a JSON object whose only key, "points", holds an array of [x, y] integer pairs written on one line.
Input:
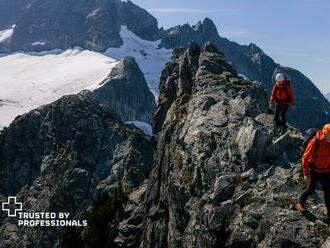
{"points": [[280, 117], [324, 179]]}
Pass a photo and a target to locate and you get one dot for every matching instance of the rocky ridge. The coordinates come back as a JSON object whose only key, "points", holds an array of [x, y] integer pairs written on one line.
{"points": [[221, 177]]}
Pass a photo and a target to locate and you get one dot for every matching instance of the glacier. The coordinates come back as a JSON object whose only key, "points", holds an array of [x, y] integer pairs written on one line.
{"points": [[29, 80]]}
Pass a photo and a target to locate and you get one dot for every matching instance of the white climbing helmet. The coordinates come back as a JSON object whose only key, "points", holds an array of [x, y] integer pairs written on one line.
{"points": [[280, 77]]}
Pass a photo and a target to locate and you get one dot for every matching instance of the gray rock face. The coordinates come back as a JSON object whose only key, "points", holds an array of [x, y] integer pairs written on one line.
{"points": [[221, 178], [66, 157], [93, 25], [252, 62], [181, 36], [126, 92], [138, 20], [11, 11]]}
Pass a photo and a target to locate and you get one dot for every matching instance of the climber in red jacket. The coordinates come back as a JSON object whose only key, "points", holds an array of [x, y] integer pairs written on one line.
{"points": [[283, 96], [316, 168]]}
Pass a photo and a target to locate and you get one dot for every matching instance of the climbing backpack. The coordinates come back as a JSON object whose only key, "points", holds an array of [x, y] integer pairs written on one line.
{"points": [[287, 84], [310, 134]]}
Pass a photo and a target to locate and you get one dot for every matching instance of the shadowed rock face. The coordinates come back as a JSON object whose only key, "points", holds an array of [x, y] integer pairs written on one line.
{"points": [[221, 177], [93, 25], [11, 11], [64, 157], [126, 92]]}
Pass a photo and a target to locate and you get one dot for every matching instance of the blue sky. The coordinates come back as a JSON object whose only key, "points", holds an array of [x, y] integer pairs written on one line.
{"points": [[294, 33]]}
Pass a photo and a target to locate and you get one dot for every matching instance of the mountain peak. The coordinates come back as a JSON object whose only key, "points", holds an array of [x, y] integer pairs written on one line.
{"points": [[210, 24], [192, 71], [254, 48], [125, 68], [125, 92], [207, 27]]}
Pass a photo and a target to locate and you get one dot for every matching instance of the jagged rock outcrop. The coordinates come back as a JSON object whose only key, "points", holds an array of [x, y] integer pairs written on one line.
{"points": [[93, 25], [67, 157], [180, 36], [138, 20], [126, 92], [312, 110], [221, 177]]}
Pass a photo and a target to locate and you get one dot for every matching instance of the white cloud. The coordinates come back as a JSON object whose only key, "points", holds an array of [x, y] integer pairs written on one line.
{"points": [[187, 10], [237, 32], [306, 56]]}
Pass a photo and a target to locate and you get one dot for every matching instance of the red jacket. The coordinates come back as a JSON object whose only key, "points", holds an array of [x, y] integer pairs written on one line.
{"points": [[317, 155], [282, 93]]}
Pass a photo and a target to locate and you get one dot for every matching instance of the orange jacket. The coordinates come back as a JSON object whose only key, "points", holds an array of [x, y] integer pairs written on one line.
{"points": [[317, 155], [282, 93]]}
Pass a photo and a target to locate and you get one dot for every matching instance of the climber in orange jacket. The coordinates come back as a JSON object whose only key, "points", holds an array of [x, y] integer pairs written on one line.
{"points": [[283, 96], [316, 168]]}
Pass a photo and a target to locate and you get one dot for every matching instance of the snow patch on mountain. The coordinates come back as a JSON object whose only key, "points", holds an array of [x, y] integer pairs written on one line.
{"points": [[39, 43], [29, 80], [6, 34], [147, 54]]}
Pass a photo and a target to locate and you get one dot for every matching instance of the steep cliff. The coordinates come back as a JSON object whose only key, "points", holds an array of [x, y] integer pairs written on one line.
{"points": [[11, 11], [221, 177], [93, 25], [126, 92]]}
